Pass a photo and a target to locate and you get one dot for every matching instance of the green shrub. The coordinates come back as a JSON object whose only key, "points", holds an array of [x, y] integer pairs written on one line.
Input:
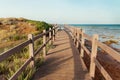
{"points": [[40, 25], [17, 37]]}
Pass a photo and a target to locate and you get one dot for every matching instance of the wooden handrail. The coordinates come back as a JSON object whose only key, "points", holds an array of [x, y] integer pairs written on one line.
{"points": [[13, 50], [102, 70], [93, 54], [18, 48], [109, 50], [19, 71], [87, 37]]}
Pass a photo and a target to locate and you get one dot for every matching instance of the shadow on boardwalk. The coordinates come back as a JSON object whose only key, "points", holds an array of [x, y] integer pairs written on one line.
{"points": [[62, 62]]}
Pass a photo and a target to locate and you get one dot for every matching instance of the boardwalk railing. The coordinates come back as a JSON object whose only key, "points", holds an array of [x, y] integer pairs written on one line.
{"points": [[32, 54], [79, 38]]}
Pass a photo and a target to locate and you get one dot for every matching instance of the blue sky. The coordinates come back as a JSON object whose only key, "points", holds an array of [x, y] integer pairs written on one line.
{"points": [[64, 11]]}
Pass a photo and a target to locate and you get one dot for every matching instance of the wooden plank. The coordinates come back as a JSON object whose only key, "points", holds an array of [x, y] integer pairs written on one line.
{"points": [[39, 49], [102, 70], [31, 49], [78, 37], [53, 35], [86, 50], [93, 55], [55, 29], [50, 36], [21, 69], [109, 50], [87, 37], [41, 35], [44, 41], [51, 30], [74, 35], [13, 50], [42, 46], [82, 43], [70, 31], [83, 47], [48, 40], [38, 36]]}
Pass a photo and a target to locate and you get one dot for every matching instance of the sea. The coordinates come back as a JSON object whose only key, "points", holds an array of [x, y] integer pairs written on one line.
{"points": [[105, 31]]}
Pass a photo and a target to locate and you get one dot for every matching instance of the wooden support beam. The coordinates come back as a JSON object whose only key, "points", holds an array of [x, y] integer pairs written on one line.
{"points": [[44, 42], [78, 36], [93, 55], [31, 49], [82, 43], [53, 34], [74, 34], [49, 36]]}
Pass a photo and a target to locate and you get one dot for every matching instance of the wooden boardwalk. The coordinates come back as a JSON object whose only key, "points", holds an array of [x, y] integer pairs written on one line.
{"points": [[63, 61]]}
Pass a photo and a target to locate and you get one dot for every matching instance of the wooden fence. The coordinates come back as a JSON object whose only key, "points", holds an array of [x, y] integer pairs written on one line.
{"points": [[79, 38], [32, 53]]}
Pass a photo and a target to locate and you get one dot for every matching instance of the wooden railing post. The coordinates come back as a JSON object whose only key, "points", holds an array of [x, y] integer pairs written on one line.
{"points": [[74, 34], [75, 31], [31, 49], [78, 37], [93, 55], [44, 41], [53, 34], [55, 29], [50, 36], [82, 43]]}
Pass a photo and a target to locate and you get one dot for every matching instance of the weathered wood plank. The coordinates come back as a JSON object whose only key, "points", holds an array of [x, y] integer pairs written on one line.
{"points": [[77, 37], [44, 42], [31, 49], [39, 49], [38, 36], [87, 37], [15, 49], [20, 70], [102, 70], [41, 35], [42, 46], [93, 55], [86, 50], [50, 36], [82, 43], [109, 50], [53, 33]]}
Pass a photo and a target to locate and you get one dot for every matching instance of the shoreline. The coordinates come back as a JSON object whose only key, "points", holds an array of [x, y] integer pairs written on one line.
{"points": [[105, 32]]}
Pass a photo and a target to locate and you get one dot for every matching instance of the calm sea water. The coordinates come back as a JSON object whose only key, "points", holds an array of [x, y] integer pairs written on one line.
{"points": [[105, 32]]}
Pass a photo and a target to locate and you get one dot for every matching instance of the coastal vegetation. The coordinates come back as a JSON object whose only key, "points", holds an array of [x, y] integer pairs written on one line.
{"points": [[109, 42], [14, 31]]}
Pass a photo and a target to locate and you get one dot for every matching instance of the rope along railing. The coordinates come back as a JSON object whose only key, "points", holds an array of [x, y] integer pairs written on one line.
{"points": [[79, 38], [32, 52]]}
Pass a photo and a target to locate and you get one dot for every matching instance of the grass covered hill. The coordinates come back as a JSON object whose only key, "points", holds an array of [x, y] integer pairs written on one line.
{"points": [[16, 29], [12, 32]]}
